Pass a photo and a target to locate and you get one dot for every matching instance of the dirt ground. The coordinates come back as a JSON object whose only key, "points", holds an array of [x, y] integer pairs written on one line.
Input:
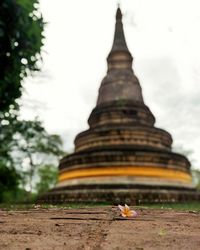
{"points": [[98, 228]]}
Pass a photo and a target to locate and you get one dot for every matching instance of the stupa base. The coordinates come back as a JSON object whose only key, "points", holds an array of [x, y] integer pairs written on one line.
{"points": [[135, 195]]}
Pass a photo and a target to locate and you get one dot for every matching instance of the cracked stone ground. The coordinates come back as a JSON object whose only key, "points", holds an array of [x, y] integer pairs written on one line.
{"points": [[98, 228]]}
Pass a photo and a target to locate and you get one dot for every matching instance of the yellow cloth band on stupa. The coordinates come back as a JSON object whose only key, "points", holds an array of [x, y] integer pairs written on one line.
{"points": [[138, 171]]}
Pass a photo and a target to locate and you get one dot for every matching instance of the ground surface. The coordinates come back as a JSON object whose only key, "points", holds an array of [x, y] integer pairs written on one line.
{"points": [[99, 228]]}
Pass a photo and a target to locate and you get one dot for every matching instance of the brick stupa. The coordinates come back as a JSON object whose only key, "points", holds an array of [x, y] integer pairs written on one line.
{"points": [[122, 157]]}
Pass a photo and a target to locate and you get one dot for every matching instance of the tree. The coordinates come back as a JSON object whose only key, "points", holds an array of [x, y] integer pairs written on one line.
{"points": [[33, 149], [21, 40], [8, 185], [196, 177], [9, 177], [27, 153], [195, 172], [21, 35], [48, 175], [25, 146]]}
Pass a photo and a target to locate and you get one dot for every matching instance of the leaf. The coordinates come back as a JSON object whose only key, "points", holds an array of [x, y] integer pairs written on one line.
{"points": [[162, 232]]}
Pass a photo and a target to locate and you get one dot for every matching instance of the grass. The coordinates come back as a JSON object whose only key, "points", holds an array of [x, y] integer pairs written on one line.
{"points": [[77, 205], [190, 206], [7, 206]]}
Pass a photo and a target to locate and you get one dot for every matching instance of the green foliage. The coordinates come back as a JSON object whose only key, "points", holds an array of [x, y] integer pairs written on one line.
{"points": [[196, 178], [25, 146], [193, 206], [9, 177], [25, 149], [9, 180], [48, 175], [21, 28], [31, 137], [33, 148]]}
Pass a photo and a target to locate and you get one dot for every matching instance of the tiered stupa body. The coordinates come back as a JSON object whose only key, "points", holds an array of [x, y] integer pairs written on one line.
{"points": [[122, 156]]}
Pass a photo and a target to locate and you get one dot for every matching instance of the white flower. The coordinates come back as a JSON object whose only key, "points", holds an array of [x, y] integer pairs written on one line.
{"points": [[127, 212]]}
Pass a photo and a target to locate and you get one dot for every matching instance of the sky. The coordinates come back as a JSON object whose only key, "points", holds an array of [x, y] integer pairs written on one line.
{"points": [[164, 39]]}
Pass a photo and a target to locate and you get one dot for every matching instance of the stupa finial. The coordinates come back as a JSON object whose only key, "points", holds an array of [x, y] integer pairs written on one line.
{"points": [[119, 43], [118, 4], [118, 13]]}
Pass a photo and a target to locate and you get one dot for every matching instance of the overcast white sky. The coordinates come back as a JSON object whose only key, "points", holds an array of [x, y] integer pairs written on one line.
{"points": [[164, 39]]}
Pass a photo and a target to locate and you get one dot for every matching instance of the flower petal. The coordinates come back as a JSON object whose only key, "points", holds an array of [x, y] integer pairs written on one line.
{"points": [[121, 208], [133, 213], [127, 207], [123, 215]]}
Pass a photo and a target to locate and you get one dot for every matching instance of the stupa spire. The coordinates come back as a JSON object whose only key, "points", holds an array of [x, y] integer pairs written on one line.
{"points": [[119, 43], [120, 83]]}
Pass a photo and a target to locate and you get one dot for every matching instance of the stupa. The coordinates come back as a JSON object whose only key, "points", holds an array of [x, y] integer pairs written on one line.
{"points": [[122, 157]]}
